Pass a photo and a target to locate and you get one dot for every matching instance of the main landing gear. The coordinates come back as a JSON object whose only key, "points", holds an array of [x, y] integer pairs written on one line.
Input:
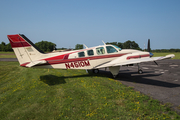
{"points": [[139, 69], [95, 71]]}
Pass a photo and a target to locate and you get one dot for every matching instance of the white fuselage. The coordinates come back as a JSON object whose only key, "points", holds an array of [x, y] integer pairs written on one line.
{"points": [[90, 58]]}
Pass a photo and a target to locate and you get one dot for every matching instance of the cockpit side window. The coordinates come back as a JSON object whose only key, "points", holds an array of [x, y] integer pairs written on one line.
{"points": [[90, 52], [81, 54], [111, 49], [100, 50]]}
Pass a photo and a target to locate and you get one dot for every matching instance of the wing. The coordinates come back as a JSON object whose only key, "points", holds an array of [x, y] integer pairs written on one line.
{"points": [[124, 61]]}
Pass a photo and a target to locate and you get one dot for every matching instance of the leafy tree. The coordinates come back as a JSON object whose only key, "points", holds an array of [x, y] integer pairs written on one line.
{"points": [[112, 43], [131, 45], [8, 47], [79, 46], [46, 46], [126, 45], [3, 46], [119, 44]]}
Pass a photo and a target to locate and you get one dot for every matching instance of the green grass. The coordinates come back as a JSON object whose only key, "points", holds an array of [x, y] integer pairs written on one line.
{"points": [[177, 54], [27, 93], [6, 52], [7, 55]]}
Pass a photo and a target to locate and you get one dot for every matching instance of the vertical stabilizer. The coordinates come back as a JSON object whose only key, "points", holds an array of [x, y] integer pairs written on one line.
{"points": [[24, 49]]}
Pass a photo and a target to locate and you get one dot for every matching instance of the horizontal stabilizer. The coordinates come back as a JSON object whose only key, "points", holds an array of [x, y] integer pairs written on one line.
{"points": [[31, 64]]}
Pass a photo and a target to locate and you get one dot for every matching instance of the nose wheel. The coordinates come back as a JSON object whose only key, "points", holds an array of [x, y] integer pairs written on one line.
{"points": [[139, 69]]}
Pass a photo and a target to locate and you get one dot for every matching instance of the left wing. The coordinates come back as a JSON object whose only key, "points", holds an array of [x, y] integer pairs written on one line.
{"points": [[124, 61]]}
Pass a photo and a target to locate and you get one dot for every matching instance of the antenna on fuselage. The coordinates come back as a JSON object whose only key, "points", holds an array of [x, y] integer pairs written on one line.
{"points": [[104, 42], [85, 46]]}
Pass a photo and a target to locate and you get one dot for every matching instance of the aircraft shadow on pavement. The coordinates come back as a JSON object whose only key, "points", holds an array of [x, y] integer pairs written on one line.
{"points": [[131, 76], [122, 76]]}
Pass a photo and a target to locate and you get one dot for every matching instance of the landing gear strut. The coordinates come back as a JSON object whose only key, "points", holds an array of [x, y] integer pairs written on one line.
{"points": [[139, 69]]}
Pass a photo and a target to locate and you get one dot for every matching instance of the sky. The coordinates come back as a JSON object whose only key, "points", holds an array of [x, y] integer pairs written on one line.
{"points": [[70, 22]]}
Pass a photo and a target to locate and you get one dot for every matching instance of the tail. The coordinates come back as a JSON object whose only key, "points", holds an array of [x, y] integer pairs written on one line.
{"points": [[24, 49]]}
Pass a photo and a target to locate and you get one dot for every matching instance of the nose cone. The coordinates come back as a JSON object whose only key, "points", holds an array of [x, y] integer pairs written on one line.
{"points": [[151, 54]]}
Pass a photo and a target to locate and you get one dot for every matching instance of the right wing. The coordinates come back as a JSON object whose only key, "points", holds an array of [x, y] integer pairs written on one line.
{"points": [[124, 61]]}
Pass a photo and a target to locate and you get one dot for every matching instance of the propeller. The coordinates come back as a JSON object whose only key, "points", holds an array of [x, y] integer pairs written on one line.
{"points": [[149, 50], [148, 47]]}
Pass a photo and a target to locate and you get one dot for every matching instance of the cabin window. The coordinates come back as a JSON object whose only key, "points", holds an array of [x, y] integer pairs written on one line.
{"points": [[100, 50], [81, 54], [90, 52], [111, 49]]}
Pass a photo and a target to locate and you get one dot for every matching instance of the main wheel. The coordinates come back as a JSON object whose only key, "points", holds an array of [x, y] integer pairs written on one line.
{"points": [[95, 71], [140, 71]]}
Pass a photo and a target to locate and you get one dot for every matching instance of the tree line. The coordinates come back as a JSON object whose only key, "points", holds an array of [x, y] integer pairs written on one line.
{"points": [[5, 47], [126, 45], [166, 50], [46, 46]]}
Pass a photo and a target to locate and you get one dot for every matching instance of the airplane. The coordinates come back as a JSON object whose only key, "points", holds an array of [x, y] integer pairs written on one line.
{"points": [[94, 58]]}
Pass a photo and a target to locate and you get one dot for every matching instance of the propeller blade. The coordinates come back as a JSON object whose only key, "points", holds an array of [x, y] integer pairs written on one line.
{"points": [[148, 47], [155, 63]]}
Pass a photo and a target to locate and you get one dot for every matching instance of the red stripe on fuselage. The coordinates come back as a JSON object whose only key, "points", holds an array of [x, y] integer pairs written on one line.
{"points": [[147, 55], [66, 56], [60, 61]]}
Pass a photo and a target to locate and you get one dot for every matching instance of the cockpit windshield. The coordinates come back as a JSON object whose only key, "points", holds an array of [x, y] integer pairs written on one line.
{"points": [[111, 49], [117, 47]]}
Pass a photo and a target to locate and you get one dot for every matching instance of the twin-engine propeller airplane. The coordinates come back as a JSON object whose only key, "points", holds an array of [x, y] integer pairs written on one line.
{"points": [[94, 58]]}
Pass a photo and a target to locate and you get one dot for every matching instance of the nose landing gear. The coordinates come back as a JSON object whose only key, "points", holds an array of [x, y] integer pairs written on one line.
{"points": [[139, 69]]}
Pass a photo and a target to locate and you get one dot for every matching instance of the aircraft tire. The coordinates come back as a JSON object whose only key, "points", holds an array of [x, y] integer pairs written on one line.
{"points": [[140, 71], [95, 71]]}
